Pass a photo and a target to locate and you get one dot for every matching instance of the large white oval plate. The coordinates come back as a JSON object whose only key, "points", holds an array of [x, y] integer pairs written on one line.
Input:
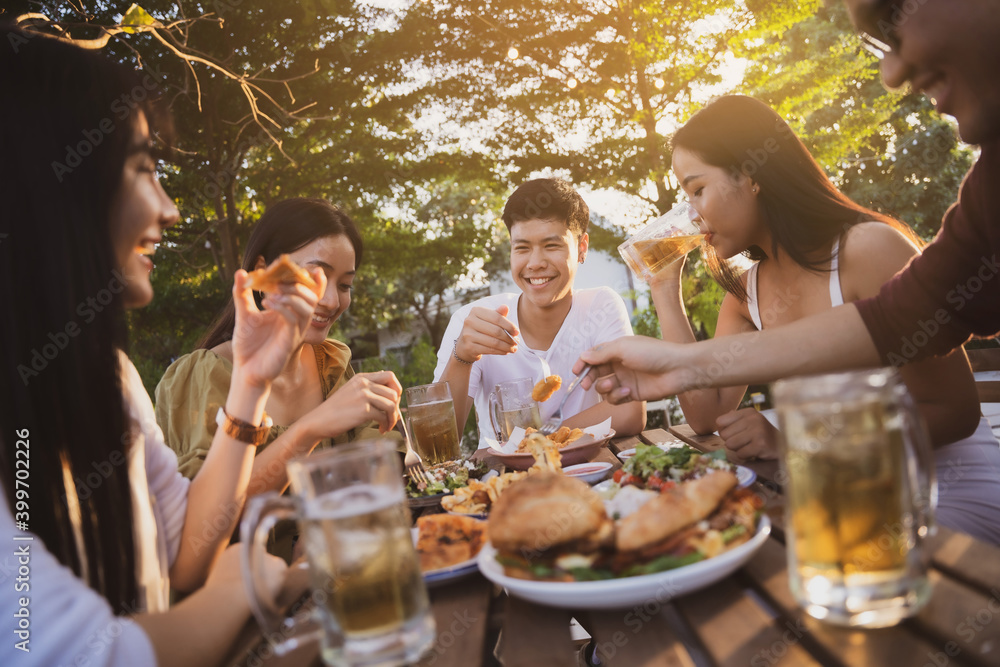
{"points": [[627, 591]]}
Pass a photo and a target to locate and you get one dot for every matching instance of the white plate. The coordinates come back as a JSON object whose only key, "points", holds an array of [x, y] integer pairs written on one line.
{"points": [[627, 591], [591, 473], [457, 571], [745, 476]]}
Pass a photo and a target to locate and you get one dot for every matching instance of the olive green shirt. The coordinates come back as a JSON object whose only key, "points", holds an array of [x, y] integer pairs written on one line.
{"points": [[195, 386]]}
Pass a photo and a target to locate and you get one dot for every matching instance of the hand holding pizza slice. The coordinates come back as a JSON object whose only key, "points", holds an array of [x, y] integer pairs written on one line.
{"points": [[281, 271]]}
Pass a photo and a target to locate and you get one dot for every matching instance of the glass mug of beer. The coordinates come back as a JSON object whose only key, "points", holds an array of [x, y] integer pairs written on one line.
{"points": [[662, 242], [860, 494], [511, 405], [431, 415], [368, 593]]}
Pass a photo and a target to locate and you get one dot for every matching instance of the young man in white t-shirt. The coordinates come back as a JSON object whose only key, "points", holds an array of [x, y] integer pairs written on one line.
{"points": [[547, 220]]}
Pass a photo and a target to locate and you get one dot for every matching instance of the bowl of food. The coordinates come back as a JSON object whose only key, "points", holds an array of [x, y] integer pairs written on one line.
{"points": [[579, 449]]}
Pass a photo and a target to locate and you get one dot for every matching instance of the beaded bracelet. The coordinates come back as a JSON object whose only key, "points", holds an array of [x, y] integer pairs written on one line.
{"points": [[454, 352]]}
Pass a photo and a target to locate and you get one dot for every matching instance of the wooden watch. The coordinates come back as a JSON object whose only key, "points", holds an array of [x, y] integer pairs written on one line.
{"points": [[243, 431]]}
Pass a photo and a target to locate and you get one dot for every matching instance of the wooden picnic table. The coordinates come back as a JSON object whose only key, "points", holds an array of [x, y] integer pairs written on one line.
{"points": [[746, 619]]}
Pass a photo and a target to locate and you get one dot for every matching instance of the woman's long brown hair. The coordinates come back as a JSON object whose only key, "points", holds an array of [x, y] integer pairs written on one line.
{"points": [[804, 211]]}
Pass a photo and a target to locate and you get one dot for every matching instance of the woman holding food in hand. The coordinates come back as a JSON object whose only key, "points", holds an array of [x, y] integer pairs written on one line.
{"points": [[83, 466], [815, 249], [316, 398]]}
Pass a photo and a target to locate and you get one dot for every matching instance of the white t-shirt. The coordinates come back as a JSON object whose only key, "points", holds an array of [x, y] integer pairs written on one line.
{"points": [[597, 315], [69, 622]]}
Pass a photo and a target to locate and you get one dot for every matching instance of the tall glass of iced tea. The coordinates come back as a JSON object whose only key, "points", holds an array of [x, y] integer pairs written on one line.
{"points": [[431, 414], [860, 496], [367, 592]]}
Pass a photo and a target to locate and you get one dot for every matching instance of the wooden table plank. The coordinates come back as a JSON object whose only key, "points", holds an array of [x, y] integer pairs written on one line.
{"points": [[905, 644], [967, 559], [637, 637], [738, 630], [536, 635], [461, 611], [965, 623]]}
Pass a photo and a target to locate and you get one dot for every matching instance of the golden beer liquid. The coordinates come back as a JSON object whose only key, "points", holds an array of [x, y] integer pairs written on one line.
{"points": [[523, 417], [848, 515], [657, 253], [434, 431], [366, 564]]}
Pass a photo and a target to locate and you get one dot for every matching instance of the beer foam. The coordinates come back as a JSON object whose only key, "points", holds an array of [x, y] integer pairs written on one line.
{"points": [[352, 501]]}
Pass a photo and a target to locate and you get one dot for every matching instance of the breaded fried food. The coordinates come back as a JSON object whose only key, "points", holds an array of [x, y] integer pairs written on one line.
{"points": [[562, 437], [669, 512], [545, 518], [545, 388], [282, 270], [444, 540], [478, 496], [565, 435]]}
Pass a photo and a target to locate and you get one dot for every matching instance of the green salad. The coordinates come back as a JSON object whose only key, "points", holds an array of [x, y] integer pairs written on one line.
{"points": [[443, 478], [660, 469]]}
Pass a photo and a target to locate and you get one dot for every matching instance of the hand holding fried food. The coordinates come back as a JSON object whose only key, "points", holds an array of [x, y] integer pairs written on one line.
{"points": [[281, 271], [444, 540], [545, 388]]}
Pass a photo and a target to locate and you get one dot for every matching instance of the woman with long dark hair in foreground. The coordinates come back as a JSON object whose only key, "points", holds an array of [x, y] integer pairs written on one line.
{"points": [[90, 490]]}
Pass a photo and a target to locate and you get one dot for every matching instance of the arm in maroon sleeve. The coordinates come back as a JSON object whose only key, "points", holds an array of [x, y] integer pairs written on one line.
{"points": [[952, 290]]}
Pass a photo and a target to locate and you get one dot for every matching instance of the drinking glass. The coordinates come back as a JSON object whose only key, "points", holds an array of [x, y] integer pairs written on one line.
{"points": [[511, 405], [368, 594], [662, 242], [431, 415], [860, 496]]}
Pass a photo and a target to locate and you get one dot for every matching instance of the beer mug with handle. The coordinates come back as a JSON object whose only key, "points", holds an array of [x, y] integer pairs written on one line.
{"points": [[511, 405], [367, 591], [860, 491]]}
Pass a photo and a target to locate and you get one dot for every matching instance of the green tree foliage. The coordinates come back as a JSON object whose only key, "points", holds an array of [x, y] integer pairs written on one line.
{"points": [[587, 88], [418, 118], [890, 151]]}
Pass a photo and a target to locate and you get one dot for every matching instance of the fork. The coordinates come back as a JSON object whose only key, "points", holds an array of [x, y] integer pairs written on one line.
{"points": [[553, 423], [414, 466]]}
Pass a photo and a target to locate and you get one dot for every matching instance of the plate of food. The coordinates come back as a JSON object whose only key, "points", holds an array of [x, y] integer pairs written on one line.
{"points": [[443, 479], [575, 446], [476, 498], [447, 546], [552, 541], [652, 467]]}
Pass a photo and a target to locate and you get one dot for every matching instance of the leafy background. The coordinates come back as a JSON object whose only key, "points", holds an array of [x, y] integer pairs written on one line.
{"points": [[419, 117]]}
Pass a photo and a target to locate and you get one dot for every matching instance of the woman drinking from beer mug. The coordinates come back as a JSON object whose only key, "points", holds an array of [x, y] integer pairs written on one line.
{"points": [[759, 192], [92, 499], [316, 399]]}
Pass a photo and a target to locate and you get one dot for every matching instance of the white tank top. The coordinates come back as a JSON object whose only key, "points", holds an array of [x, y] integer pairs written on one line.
{"points": [[836, 296]]}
